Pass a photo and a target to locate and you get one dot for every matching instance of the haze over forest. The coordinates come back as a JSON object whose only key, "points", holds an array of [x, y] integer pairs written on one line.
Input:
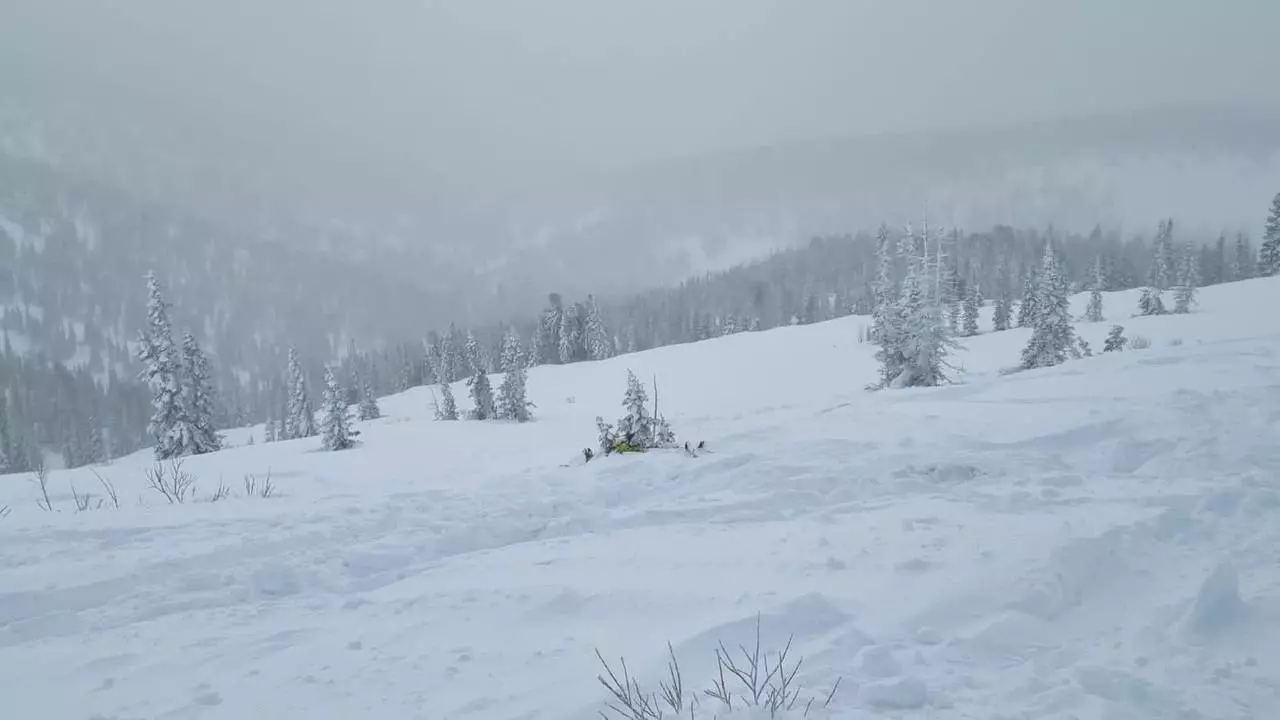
{"points": [[328, 175]]}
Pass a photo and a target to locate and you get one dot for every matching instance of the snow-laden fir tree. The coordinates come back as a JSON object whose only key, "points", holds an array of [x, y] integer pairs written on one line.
{"points": [[599, 346], [1184, 294], [200, 403], [161, 370], [636, 427], [448, 407], [368, 408], [569, 335], [301, 420], [1094, 312], [1242, 263], [1052, 337], [972, 305], [925, 341], [1161, 274], [607, 437], [481, 397], [1115, 340], [547, 336], [885, 315], [512, 356], [513, 402], [1151, 302], [335, 426], [474, 356], [1269, 252], [1027, 308]]}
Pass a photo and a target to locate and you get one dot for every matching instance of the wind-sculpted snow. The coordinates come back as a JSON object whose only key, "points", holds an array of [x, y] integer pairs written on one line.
{"points": [[1095, 540]]}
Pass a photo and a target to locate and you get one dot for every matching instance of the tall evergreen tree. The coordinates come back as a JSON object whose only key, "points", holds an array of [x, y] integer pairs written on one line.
{"points": [[1188, 280], [598, 344], [513, 402], [200, 403], [481, 397], [886, 320], [1242, 263], [336, 432], [1027, 309], [1002, 313], [972, 305], [512, 352], [1269, 252], [636, 427], [1162, 261], [925, 340], [1094, 312], [571, 346], [300, 422], [448, 409], [160, 369], [368, 408], [548, 340], [1052, 336], [475, 361]]}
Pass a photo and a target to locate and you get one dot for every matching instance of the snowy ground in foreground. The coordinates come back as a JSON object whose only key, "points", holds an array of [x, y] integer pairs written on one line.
{"points": [[1052, 544]]}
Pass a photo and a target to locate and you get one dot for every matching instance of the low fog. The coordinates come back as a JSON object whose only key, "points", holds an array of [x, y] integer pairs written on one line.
{"points": [[495, 92]]}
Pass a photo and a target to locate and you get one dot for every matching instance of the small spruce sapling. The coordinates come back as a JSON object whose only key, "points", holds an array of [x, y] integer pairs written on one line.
{"points": [[1116, 340]]}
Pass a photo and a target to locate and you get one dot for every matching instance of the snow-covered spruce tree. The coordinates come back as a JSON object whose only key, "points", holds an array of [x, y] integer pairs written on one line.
{"points": [[547, 335], [572, 347], [482, 397], [925, 340], [512, 356], [1161, 273], [368, 408], [513, 402], [1115, 340], [1188, 280], [972, 304], [200, 402], [161, 371], [1052, 337], [335, 427], [598, 344], [301, 420], [607, 437], [1151, 302], [473, 356], [1269, 252], [1242, 263], [886, 319], [1094, 312], [448, 408], [636, 427], [1027, 308], [1002, 313]]}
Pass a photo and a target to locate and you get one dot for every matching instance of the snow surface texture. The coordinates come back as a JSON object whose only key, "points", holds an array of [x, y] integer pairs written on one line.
{"points": [[1096, 540]]}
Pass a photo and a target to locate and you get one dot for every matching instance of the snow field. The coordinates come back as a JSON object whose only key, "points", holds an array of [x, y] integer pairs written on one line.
{"points": [[1096, 540]]}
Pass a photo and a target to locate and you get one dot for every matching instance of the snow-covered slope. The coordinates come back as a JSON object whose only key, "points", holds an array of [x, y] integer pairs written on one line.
{"points": [[1096, 540]]}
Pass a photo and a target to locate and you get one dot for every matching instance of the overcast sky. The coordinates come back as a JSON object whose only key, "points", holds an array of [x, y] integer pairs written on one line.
{"points": [[506, 88]]}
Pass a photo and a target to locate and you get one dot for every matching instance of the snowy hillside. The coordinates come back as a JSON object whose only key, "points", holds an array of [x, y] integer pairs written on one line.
{"points": [[1096, 540]]}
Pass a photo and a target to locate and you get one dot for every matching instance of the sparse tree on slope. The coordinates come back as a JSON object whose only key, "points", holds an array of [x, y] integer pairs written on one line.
{"points": [[1151, 302], [1115, 340], [200, 401], [301, 420], [1094, 312], [1002, 313], [482, 397], [336, 432], [1269, 253], [599, 346], [160, 370], [1052, 337]]}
